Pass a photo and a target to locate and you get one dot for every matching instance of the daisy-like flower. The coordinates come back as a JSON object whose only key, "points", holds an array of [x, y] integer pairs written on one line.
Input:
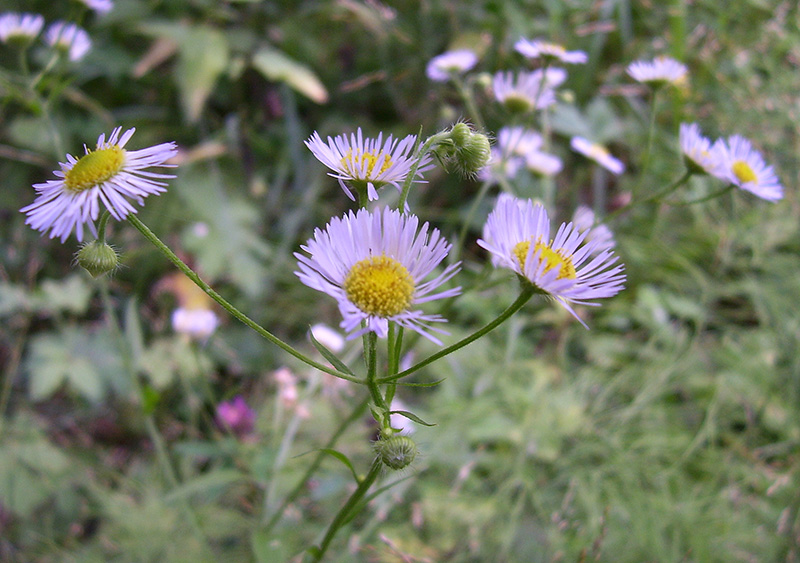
{"points": [[99, 6], [744, 167], [195, 323], [566, 267], [441, 67], [20, 28], [500, 167], [583, 219], [542, 49], [518, 141], [373, 264], [699, 155], [367, 164], [109, 174], [658, 72], [523, 92], [69, 38], [543, 164], [598, 153]]}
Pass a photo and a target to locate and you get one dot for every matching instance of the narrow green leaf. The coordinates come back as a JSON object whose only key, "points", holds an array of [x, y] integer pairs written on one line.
{"points": [[412, 416], [276, 66], [344, 459], [431, 384], [209, 484], [330, 356]]}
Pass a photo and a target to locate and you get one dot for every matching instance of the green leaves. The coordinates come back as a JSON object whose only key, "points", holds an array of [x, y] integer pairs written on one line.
{"points": [[274, 65]]}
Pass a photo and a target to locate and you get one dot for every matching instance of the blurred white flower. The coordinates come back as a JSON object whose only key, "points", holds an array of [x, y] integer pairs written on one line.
{"points": [[598, 153], [69, 38], [698, 153], [745, 168], [195, 323], [441, 67], [534, 49], [658, 72], [328, 337], [20, 28]]}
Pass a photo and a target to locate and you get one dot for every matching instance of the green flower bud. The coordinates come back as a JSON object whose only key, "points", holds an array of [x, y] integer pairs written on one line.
{"points": [[396, 452], [97, 258], [464, 151]]}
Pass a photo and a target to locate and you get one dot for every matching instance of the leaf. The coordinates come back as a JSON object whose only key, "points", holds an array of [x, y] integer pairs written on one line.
{"points": [[276, 66], [330, 356], [412, 416], [431, 384], [344, 459]]}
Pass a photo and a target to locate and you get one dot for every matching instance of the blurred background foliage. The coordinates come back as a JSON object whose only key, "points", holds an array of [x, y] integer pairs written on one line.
{"points": [[668, 432]]}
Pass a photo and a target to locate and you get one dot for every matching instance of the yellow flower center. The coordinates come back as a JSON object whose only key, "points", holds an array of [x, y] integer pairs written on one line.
{"points": [[94, 168], [379, 286], [354, 163], [743, 171], [598, 152], [551, 258]]}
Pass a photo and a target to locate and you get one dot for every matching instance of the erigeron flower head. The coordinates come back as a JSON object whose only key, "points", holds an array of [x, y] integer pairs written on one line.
{"points": [[598, 153], [99, 6], [69, 38], [523, 92], [699, 155], [501, 167], [658, 72], [374, 264], [518, 141], [442, 67], [535, 49], [543, 163], [366, 164], [20, 29], [583, 219], [745, 168], [109, 175], [565, 267], [198, 324]]}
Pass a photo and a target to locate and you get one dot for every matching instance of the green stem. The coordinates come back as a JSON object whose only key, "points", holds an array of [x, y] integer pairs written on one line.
{"points": [[424, 149], [264, 333], [469, 101], [650, 135], [527, 292], [666, 191], [344, 514], [101, 226], [301, 483], [713, 195], [371, 353]]}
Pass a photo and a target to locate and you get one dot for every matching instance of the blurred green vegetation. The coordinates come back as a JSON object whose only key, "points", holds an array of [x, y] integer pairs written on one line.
{"points": [[668, 432]]}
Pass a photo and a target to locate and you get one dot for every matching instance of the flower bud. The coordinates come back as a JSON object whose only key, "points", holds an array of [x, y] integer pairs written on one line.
{"points": [[396, 452], [97, 258], [464, 151]]}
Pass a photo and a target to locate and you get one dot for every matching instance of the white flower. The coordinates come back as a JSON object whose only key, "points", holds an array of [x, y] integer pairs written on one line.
{"points": [[543, 49], [20, 27], [518, 141], [583, 219], [543, 164], [698, 153], [109, 175], [195, 323], [99, 6], [598, 153], [566, 267], [442, 67], [523, 92], [744, 167], [658, 72], [373, 264], [367, 164], [70, 38], [328, 337], [500, 167]]}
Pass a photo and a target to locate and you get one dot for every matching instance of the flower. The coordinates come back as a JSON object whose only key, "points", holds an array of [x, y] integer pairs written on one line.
{"points": [[328, 337], [367, 163], [236, 417], [537, 48], [744, 167], [583, 220], [109, 174], [518, 141], [70, 38], [698, 153], [99, 6], [195, 323], [598, 153], [441, 67], [373, 264], [524, 92], [20, 28], [543, 164], [658, 72], [517, 234], [500, 167]]}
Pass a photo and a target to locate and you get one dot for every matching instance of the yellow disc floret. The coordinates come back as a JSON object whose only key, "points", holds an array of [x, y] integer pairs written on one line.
{"points": [[379, 286], [743, 171], [354, 163], [94, 168], [548, 256]]}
